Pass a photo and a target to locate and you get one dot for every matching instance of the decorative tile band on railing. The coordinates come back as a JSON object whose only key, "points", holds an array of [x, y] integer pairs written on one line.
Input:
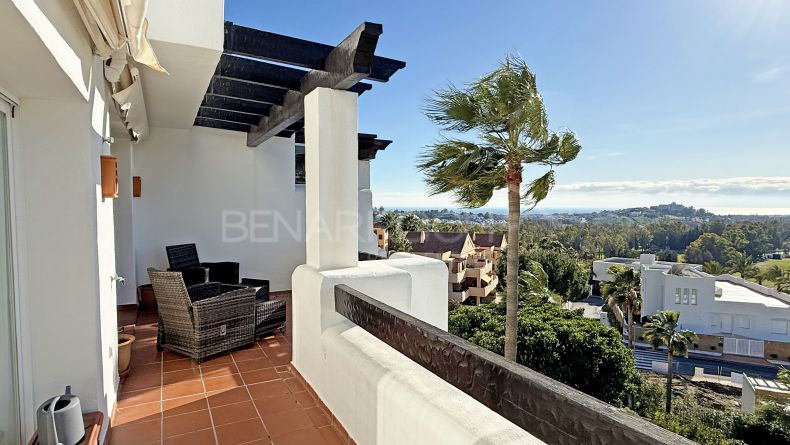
{"points": [[550, 410]]}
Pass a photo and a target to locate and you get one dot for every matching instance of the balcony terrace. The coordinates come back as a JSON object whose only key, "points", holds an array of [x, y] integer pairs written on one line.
{"points": [[251, 395], [365, 358]]}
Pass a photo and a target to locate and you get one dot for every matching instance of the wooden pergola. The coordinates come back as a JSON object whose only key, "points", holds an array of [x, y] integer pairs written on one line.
{"points": [[262, 78]]}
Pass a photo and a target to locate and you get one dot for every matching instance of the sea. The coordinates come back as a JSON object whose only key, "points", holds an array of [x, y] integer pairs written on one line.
{"points": [[503, 210]]}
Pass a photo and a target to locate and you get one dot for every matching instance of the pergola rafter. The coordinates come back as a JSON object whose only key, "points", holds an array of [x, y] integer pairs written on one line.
{"points": [[255, 91]]}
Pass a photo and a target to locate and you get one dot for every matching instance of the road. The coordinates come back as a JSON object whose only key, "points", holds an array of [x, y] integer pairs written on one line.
{"points": [[685, 366]]}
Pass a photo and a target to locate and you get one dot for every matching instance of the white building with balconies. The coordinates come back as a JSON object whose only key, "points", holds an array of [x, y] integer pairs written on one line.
{"points": [[719, 305]]}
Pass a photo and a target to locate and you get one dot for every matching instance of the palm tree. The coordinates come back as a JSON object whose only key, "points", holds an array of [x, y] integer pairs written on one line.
{"points": [[623, 291], [783, 283], [714, 268], [743, 264], [411, 223], [662, 330], [389, 221], [533, 284], [506, 114], [772, 273]]}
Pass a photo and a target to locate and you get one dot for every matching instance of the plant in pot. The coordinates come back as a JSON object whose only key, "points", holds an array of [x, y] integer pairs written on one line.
{"points": [[124, 353], [124, 341]]}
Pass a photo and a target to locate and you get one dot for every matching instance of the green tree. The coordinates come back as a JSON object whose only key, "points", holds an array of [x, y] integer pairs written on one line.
{"points": [[397, 241], [772, 273], [662, 330], [714, 268], [506, 113], [411, 223], [533, 284], [623, 291], [568, 276], [784, 376], [743, 264], [389, 221], [783, 283], [709, 247], [558, 343]]}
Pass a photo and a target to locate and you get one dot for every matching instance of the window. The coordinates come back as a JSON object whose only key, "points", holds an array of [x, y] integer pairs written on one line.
{"points": [[686, 296], [742, 321], [693, 296], [779, 327], [677, 295]]}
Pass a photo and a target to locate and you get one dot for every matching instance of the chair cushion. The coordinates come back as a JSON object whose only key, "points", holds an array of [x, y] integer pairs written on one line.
{"points": [[263, 287], [182, 256]]}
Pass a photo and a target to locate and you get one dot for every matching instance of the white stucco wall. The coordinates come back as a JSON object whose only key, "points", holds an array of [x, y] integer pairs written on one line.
{"points": [[380, 396], [125, 263], [368, 242], [701, 317], [190, 177], [64, 234]]}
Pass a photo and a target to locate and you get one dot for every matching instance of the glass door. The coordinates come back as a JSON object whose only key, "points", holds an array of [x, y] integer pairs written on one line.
{"points": [[9, 405]]}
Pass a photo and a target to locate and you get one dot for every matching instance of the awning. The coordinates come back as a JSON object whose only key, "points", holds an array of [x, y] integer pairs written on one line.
{"points": [[118, 28], [114, 23], [132, 107]]}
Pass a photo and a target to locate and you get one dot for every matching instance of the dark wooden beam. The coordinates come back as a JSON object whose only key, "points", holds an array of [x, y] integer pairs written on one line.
{"points": [[269, 74], [227, 115], [292, 51], [232, 126], [368, 148], [347, 64], [235, 104], [223, 86], [368, 145], [223, 125]]}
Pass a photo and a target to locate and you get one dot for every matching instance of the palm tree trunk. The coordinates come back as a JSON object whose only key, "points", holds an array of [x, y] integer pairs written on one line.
{"points": [[668, 407], [513, 221]]}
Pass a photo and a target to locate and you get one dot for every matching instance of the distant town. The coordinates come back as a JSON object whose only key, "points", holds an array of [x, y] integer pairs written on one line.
{"points": [[632, 215]]}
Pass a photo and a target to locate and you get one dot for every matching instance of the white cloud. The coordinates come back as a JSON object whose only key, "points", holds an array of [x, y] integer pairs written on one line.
{"points": [[766, 195], [770, 74], [732, 186]]}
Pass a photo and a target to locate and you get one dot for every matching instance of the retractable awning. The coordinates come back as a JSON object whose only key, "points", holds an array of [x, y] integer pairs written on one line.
{"points": [[118, 28]]}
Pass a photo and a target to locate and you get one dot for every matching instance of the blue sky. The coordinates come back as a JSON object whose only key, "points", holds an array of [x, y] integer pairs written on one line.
{"points": [[672, 100]]}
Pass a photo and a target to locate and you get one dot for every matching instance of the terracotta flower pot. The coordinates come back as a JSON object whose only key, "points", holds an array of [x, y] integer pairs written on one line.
{"points": [[124, 353], [146, 296]]}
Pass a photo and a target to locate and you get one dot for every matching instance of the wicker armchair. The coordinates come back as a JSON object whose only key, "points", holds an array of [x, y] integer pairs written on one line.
{"points": [[200, 322], [184, 258]]}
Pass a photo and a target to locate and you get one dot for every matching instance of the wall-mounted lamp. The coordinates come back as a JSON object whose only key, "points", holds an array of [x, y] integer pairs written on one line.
{"points": [[109, 176], [137, 186]]}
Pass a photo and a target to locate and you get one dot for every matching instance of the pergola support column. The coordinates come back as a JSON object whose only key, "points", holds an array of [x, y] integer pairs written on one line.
{"points": [[331, 181]]}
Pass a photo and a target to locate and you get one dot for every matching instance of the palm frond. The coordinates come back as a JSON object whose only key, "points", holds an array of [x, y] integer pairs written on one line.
{"points": [[537, 190], [469, 171]]}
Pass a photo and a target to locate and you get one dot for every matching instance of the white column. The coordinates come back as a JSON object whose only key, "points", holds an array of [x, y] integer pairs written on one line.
{"points": [[367, 239], [123, 214], [331, 177]]}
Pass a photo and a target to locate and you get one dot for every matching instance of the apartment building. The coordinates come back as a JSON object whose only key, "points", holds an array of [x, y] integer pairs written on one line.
{"points": [[471, 261], [382, 237], [744, 313]]}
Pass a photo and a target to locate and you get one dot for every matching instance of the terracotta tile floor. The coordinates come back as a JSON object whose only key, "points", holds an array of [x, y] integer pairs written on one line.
{"points": [[249, 396]]}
